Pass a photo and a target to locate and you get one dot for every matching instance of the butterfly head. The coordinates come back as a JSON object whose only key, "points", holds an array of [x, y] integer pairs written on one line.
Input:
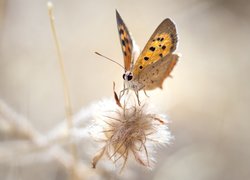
{"points": [[127, 76]]}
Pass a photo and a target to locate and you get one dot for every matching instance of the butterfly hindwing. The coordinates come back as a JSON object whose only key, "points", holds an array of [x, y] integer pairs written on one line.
{"points": [[126, 42], [161, 43], [153, 76]]}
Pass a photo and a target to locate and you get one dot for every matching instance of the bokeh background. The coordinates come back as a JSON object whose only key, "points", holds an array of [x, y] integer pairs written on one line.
{"points": [[207, 100]]}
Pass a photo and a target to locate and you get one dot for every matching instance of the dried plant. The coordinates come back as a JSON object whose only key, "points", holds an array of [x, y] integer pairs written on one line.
{"points": [[128, 130]]}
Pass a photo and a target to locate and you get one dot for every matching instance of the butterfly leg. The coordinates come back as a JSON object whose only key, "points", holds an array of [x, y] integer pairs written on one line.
{"points": [[137, 93], [145, 93], [137, 96], [122, 92]]}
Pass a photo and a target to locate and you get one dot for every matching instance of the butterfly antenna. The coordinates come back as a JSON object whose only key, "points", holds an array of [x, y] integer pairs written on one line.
{"points": [[110, 59]]}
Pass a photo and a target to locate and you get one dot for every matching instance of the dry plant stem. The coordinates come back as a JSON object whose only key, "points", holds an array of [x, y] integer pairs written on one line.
{"points": [[68, 109], [2, 15]]}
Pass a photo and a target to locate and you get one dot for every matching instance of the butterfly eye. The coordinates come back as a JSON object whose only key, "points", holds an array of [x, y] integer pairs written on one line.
{"points": [[130, 76], [123, 76]]}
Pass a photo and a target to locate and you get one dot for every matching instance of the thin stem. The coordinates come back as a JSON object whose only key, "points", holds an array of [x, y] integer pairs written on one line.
{"points": [[67, 102]]}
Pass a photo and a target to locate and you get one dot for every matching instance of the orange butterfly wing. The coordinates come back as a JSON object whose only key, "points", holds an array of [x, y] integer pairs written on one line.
{"points": [[126, 41], [161, 43]]}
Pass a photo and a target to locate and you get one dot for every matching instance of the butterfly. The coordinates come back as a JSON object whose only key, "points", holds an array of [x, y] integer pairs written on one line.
{"points": [[156, 61]]}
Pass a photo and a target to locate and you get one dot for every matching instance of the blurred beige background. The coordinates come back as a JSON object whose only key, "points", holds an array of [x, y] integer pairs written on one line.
{"points": [[207, 100]]}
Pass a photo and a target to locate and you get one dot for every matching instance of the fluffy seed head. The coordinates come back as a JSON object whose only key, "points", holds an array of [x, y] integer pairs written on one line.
{"points": [[129, 130]]}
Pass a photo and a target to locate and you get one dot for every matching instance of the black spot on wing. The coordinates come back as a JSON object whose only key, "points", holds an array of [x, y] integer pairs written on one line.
{"points": [[152, 48]]}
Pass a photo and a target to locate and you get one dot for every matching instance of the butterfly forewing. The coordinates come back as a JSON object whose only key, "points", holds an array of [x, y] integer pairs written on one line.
{"points": [[153, 76], [161, 43], [126, 42]]}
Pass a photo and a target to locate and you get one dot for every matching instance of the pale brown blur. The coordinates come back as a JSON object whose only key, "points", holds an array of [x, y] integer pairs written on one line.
{"points": [[207, 99]]}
